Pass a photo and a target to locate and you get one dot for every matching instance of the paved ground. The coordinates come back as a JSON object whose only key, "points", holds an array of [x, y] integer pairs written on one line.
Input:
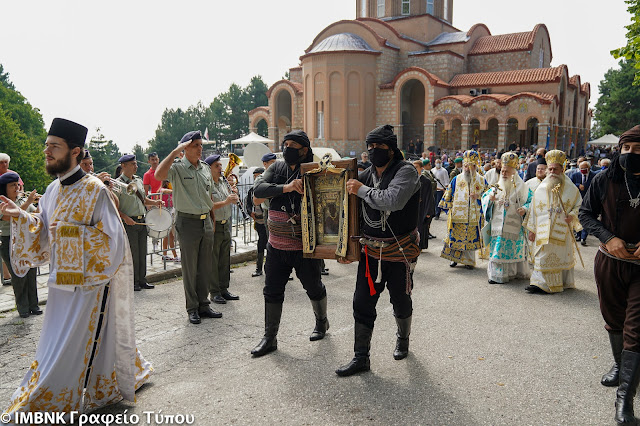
{"points": [[480, 355]]}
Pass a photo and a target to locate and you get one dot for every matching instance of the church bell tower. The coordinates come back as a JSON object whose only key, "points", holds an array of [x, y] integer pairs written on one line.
{"points": [[389, 9]]}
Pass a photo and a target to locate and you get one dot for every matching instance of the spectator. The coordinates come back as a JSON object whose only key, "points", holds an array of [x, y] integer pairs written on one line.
{"points": [[583, 181]]}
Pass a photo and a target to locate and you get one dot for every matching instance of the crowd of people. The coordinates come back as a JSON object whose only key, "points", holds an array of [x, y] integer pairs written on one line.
{"points": [[523, 211]]}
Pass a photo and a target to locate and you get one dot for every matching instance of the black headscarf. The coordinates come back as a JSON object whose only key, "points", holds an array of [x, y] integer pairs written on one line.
{"points": [[384, 134], [300, 137]]}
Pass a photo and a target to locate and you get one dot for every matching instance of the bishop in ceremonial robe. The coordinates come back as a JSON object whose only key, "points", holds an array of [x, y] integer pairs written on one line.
{"points": [[464, 221], [552, 221], [503, 207], [86, 357]]}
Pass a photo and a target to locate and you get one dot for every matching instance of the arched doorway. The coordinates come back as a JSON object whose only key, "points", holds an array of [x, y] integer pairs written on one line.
{"points": [[455, 135], [262, 128], [282, 115], [412, 100], [531, 137], [513, 134], [474, 133], [489, 137]]}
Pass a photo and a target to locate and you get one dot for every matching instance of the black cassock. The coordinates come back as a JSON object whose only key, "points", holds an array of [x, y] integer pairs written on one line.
{"points": [[427, 207]]}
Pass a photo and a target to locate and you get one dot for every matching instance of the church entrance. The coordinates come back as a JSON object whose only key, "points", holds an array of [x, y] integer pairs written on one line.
{"points": [[282, 115], [412, 100]]}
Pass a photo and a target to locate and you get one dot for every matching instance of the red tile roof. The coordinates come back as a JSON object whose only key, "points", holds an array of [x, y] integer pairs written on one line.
{"points": [[502, 78], [506, 42], [575, 81], [502, 99]]}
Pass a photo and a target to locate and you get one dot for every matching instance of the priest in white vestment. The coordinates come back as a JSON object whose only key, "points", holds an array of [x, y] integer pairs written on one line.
{"points": [[552, 221], [86, 357], [503, 208]]}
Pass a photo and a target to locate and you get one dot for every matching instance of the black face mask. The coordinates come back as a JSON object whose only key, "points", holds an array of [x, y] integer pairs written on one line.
{"points": [[630, 162], [291, 155], [379, 156]]}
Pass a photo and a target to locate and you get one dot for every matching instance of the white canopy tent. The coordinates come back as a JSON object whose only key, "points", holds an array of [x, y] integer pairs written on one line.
{"points": [[251, 138], [605, 140]]}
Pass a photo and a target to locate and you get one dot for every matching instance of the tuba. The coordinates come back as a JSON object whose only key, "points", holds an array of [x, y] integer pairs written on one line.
{"points": [[234, 161]]}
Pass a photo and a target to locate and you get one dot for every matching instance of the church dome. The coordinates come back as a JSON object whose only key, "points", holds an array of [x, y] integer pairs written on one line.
{"points": [[342, 42]]}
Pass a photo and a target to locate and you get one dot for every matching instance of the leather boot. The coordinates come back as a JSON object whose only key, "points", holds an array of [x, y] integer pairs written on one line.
{"points": [[361, 346], [259, 262], [322, 322], [269, 343], [629, 377], [611, 378], [402, 343]]}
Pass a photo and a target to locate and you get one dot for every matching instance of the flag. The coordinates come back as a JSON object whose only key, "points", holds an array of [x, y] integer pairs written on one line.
{"points": [[206, 133]]}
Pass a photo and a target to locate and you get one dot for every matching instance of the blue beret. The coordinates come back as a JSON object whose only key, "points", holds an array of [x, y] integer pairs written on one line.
{"points": [[268, 157], [126, 158], [9, 177], [212, 159], [191, 136]]}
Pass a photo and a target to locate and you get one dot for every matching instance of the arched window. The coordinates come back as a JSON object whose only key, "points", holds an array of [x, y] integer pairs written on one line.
{"points": [[380, 8], [445, 15], [406, 8], [430, 7], [541, 64], [363, 8]]}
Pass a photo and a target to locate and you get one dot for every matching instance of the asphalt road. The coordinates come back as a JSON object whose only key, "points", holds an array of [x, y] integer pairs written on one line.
{"points": [[480, 354]]}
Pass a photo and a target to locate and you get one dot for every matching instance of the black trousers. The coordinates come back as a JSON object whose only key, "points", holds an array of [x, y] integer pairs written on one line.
{"points": [[278, 267], [25, 289], [263, 238], [619, 293], [137, 235], [394, 278]]}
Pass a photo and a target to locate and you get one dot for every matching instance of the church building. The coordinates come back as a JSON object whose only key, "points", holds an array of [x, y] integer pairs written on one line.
{"points": [[402, 62]]}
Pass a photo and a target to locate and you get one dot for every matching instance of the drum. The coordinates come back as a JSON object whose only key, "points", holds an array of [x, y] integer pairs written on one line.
{"points": [[159, 221]]}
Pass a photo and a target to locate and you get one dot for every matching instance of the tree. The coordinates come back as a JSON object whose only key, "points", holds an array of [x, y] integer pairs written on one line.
{"points": [[22, 135], [105, 153], [631, 51], [141, 157], [618, 108]]}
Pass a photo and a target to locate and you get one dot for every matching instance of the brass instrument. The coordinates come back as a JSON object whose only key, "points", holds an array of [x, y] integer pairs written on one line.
{"points": [[119, 186], [234, 161]]}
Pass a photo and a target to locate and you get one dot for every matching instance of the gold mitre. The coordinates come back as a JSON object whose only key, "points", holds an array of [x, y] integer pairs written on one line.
{"points": [[556, 156], [510, 159], [471, 157]]}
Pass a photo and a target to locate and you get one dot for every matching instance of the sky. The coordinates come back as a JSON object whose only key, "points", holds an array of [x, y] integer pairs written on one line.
{"points": [[117, 65]]}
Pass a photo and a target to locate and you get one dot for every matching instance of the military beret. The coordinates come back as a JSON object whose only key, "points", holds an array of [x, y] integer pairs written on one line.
{"points": [[268, 157], [258, 170], [191, 136], [9, 177], [458, 160], [126, 158], [212, 159], [425, 161], [73, 133]]}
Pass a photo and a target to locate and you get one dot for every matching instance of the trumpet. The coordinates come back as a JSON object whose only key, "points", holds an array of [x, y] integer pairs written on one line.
{"points": [[119, 186], [234, 161]]}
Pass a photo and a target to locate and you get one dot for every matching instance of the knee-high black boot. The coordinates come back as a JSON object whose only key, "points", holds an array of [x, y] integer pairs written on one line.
{"points": [[402, 343], [269, 343], [611, 378], [629, 377], [259, 262], [322, 322], [361, 346]]}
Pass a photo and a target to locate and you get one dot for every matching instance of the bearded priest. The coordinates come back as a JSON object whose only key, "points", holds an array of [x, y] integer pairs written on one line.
{"points": [[464, 221], [503, 206], [552, 221]]}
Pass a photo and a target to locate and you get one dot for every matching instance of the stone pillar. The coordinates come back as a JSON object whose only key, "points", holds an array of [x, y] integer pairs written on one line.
{"points": [[399, 130], [543, 129], [429, 136], [273, 135], [464, 137], [503, 143]]}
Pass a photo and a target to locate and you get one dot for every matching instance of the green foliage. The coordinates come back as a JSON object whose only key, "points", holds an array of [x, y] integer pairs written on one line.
{"points": [[618, 108], [141, 158], [105, 153], [22, 135], [226, 117], [631, 51]]}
